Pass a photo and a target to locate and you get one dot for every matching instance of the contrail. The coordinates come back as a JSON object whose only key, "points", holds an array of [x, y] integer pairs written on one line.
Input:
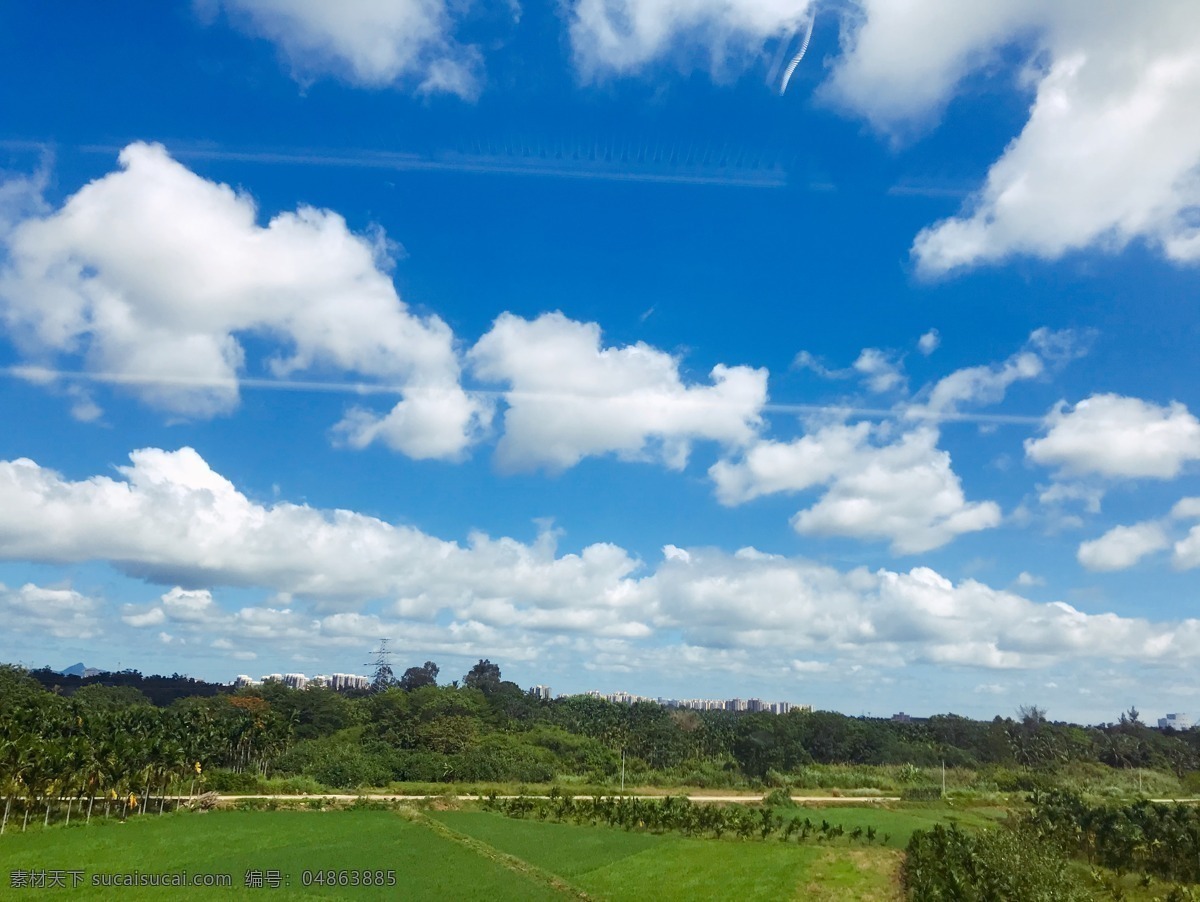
{"points": [[787, 73], [508, 161], [44, 375]]}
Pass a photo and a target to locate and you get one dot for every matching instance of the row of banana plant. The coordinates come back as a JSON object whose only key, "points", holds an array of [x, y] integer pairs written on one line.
{"points": [[59, 757], [679, 814]]}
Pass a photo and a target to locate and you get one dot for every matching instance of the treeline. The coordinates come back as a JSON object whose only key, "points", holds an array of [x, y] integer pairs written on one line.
{"points": [[158, 690], [484, 728]]}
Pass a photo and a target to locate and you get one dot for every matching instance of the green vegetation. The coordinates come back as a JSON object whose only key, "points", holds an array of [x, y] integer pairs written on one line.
{"points": [[426, 865], [107, 739], [1143, 850], [1143, 837], [127, 748], [997, 864], [637, 864], [440, 855]]}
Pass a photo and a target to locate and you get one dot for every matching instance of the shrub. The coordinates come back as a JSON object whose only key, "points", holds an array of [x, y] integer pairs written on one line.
{"points": [[226, 781], [778, 798], [921, 793], [1009, 863]]}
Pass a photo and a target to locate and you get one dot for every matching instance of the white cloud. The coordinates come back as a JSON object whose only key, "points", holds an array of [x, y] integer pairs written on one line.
{"points": [[1110, 150], [1186, 554], [904, 491], [1115, 436], [769, 467], [571, 398], [977, 385], [880, 371], [172, 519], [1026, 579], [153, 275], [624, 36], [135, 618], [765, 602], [1109, 153], [929, 342], [807, 361], [1122, 546], [172, 516], [1186, 509], [61, 613], [368, 42], [1059, 493]]}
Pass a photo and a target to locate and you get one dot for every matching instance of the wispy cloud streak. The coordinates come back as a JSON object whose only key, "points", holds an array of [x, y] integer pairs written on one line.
{"points": [[46, 375], [605, 162]]}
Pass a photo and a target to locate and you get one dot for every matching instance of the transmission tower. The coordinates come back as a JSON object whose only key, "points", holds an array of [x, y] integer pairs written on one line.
{"points": [[383, 678]]}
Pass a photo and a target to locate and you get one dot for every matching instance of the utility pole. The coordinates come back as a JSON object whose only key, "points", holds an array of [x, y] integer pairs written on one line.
{"points": [[622, 771], [383, 678], [943, 778]]}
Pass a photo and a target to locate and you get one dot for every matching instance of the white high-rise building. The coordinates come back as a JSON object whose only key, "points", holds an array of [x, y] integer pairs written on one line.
{"points": [[1179, 722]]}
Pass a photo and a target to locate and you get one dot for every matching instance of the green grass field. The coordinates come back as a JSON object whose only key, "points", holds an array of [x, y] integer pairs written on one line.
{"points": [[464, 854], [426, 865], [609, 863]]}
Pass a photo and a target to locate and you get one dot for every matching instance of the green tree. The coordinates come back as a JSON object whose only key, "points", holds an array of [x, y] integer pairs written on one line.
{"points": [[416, 677]]}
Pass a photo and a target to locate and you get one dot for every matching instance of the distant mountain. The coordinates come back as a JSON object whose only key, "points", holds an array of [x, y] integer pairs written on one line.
{"points": [[80, 671]]}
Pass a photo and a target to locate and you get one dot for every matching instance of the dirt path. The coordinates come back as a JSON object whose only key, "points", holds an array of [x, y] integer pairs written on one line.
{"points": [[401, 797]]}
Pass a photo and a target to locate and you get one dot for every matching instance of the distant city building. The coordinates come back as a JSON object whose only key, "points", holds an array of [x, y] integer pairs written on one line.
{"points": [[344, 682], [340, 682], [542, 692], [901, 718], [1179, 722], [702, 704]]}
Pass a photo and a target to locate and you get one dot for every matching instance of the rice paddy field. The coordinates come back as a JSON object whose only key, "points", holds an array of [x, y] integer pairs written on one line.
{"points": [[416, 853]]}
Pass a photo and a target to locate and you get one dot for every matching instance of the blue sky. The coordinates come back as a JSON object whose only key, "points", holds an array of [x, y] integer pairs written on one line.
{"points": [[556, 334]]}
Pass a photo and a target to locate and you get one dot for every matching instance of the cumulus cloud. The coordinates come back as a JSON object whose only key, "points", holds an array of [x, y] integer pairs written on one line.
{"points": [[374, 43], [1115, 436], [1186, 553], [570, 397], [929, 342], [1186, 509], [61, 613], [170, 518], [624, 36], [880, 371], [1122, 546], [764, 602], [1060, 493], [1109, 152], [903, 490], [152, 277], [977, 385]]}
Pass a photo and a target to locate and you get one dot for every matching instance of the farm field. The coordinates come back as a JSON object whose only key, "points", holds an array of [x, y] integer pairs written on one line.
{"points": [[460, 854], [426, 864], [609, 863]]}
